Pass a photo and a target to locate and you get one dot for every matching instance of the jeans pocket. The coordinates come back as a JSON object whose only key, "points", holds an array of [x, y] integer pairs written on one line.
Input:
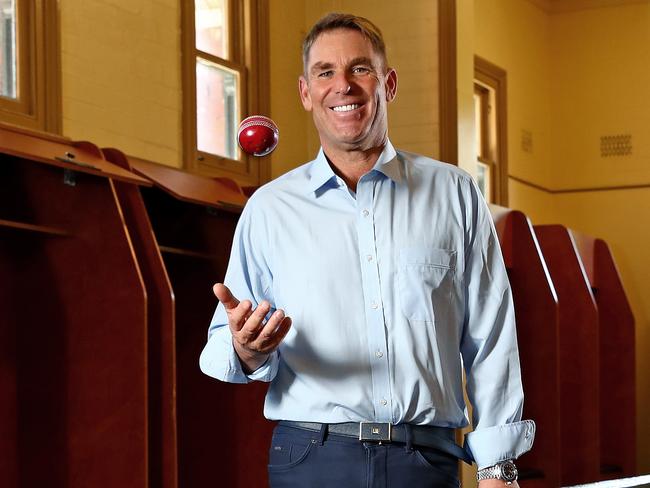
{"points": [[425, 279], [288, 451], [444, 464]]}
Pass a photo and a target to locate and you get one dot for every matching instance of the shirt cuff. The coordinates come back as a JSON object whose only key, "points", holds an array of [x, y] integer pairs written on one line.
{"points": [[495, 444], [219, 360]]}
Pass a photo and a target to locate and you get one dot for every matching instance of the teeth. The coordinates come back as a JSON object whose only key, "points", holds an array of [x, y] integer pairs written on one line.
{"points": [[346, 108]]}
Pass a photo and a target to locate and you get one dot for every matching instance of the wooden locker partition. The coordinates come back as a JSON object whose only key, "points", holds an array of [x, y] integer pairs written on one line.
{"points": [[536, 311], [617, 363], [219, 427], [163, 465], [579, 362], [73, 320]]}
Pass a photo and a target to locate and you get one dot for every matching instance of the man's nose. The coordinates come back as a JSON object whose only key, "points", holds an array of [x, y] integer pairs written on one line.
{"points": [[342, 84]]}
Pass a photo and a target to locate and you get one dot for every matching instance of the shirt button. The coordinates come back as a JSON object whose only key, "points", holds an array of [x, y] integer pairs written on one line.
{"points": [[374, 305], [384, 401], [365, 213], [369, 257], [379, 354]]}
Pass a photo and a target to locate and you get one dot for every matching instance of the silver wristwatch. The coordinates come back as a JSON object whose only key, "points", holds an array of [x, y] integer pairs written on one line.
{"points": [[505, 471]]}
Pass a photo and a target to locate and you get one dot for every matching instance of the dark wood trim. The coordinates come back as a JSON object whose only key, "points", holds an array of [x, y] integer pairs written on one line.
{"points": [[50, 63], [43, 229], [531, 184], [639, 186], [187, 252], [496, 78], [263, 72], [188, 83], [484, 95], [447, 72]]}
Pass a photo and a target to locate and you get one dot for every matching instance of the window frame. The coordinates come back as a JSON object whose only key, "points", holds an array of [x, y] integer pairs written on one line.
{"points": [[495, 78], [38, 72], [248, 52]]}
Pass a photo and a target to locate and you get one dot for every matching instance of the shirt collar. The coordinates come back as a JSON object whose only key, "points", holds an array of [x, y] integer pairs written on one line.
{"points": [[321, 172], [389, 164]]}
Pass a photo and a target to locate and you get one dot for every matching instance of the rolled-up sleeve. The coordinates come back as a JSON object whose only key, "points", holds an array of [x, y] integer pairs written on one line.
{"points": [[219, 360], [489, 346], [249, 278]]}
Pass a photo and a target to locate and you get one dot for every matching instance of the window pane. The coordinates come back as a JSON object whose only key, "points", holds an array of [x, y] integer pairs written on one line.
{"points": [[217, 111], [8, 48], [483, 180], [211, 25], [478, 119]]}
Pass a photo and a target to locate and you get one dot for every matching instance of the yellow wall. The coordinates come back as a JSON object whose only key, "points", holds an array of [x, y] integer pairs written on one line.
{"points": [[572, 77], [121, 84], [287, 29], [465, 48], [601, 86], [514, 35]]}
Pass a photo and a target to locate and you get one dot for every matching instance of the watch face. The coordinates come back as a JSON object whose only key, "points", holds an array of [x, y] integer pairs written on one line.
{"points": [[509, 471]]}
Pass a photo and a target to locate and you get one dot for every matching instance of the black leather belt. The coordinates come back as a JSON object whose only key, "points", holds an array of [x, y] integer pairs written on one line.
{"points": [[442, 438]]}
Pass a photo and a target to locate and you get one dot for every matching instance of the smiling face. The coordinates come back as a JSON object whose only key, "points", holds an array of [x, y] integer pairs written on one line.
{"points": [[347, 87]]}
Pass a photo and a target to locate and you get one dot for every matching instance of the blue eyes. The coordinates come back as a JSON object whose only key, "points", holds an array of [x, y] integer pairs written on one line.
{"points": [[357, 70]]}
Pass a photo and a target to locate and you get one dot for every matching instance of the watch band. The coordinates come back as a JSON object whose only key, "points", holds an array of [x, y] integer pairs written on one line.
{"points": [[504, 470], [489, 473]]}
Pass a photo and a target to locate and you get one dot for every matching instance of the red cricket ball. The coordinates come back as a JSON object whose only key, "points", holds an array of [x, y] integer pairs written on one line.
{"points": [[258, 135]]}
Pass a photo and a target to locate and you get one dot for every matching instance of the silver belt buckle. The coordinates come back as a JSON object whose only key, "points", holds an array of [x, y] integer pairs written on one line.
{"points": [[375, 432]]}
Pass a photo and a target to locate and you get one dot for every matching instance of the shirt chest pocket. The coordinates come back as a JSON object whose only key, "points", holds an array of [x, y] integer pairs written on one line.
{"points": [[425, 280]]}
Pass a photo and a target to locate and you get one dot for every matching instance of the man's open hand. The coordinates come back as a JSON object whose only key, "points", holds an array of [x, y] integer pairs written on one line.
{"points": [[253, 339]]}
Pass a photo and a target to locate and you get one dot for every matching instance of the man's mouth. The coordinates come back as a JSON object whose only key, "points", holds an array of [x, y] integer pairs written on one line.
{"points": [[346, 108]]}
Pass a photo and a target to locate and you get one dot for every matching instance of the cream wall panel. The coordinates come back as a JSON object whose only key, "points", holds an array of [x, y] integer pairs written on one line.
{"points": [[600, 80], [465, 49], [287, 29], [121, 82], [540, 206]]}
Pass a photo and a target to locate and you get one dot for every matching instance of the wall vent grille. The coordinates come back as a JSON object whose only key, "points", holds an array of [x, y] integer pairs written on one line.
{"points": [[616, 145]]}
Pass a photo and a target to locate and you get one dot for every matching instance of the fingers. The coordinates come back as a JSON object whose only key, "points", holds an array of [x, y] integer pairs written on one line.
{"points": [[277, 335], [260, 338], [254, 323], [238, 312], [268, 334], [225, 296], [247, 325], [238, 316]]}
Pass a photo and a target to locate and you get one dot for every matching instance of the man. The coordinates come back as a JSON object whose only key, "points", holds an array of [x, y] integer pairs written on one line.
{"points": [[388, 264]]}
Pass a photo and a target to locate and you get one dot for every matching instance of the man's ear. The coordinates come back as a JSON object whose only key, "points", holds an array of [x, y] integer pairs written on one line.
{"points": [[303, 89], [391, 85]]}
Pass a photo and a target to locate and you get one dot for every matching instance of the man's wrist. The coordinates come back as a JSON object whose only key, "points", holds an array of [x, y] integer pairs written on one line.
{"points": [[505, 471], [250, 361], [495, 483]]}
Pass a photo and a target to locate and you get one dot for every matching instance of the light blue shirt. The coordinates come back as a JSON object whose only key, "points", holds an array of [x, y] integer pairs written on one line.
{"points": [[392, 291]]}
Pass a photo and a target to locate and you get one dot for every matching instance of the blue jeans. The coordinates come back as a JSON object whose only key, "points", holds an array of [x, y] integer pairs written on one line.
{"points": [[303, 459]]}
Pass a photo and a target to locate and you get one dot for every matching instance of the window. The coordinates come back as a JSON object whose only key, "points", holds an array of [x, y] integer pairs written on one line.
{"points": [[491, 131], [485, 164], [8, 54], [29, 64], [224, 64]]}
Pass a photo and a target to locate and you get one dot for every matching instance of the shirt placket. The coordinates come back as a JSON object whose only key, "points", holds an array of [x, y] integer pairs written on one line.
{"points": [[374, 310]]}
